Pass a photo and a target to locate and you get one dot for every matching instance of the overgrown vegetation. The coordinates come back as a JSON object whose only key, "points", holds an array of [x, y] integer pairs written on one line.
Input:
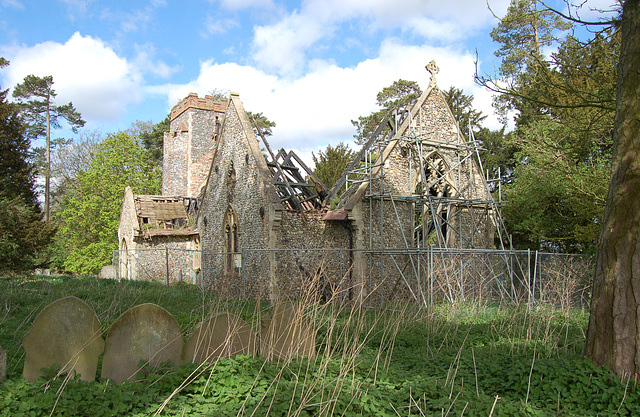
{"points": [[466, 360]]}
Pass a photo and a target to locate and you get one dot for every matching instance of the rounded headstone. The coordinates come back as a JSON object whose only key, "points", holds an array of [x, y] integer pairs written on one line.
{"points": [[221, 335], [287, 334], [144, 333], [66, 334]]}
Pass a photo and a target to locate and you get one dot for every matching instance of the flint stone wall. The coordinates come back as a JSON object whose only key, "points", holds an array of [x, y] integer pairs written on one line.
{"points": [[150, 261], [236, 183], [188, 147]]}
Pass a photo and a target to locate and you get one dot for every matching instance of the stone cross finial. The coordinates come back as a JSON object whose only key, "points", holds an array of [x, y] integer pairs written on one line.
{"points": [[433, 69]]}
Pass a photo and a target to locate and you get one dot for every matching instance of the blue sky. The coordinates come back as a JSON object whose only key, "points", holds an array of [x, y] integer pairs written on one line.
{"points": [[311, 66]]}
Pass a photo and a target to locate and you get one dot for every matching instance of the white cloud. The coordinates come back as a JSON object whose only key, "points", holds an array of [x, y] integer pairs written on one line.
{"points": [[282, 47], [216, 25], [85, 71], [16, 4], [76, 7], [136, 19], [144, 62], [316, 109], [245, 4]]}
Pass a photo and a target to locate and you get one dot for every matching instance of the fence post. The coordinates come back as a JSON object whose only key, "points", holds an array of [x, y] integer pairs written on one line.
{"points": [[529, 279], [242, 279], [535, 273], [166, 256], [431, 276]]}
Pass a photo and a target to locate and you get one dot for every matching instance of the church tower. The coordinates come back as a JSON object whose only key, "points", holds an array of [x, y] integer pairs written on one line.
{"points": [[190, 143]]}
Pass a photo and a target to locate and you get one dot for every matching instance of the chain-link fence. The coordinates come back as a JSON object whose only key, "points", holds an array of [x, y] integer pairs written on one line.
{"points": [[425, 276]]}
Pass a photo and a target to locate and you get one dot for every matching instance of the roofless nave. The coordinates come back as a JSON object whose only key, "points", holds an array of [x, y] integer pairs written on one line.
{"points": [[248, 211]]}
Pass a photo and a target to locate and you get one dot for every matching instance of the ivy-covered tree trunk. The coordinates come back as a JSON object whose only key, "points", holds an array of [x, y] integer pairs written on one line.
{"points": [[613, 337]]}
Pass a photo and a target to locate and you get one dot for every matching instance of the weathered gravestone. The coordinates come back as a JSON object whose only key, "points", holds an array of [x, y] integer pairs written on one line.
{"points": [[108, 272], [66, 334], [3, 365], [221, 335], [144, 333], [287, 334]]}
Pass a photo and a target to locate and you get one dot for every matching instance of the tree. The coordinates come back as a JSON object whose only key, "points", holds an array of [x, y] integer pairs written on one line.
{"points": [[153, 140], [35, 97], [22, 234], [262, 122], [89, 215], [563, 128], [393, 99], [499, 154], [331, 163], [554, 199], [461, 106], [613, 335], [69, 160], [522, 34]]}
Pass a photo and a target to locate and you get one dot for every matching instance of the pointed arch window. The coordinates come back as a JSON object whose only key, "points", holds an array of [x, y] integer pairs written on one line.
{"points": [[431, 211], [232, 247]]}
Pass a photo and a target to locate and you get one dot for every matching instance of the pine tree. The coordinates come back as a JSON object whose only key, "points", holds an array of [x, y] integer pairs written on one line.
{"points": [[22, 234], [394, 98], [35, 97], [614, 325]]}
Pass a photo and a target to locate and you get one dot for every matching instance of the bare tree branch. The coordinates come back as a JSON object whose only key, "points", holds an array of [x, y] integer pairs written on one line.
{"points": [[579, 21]]}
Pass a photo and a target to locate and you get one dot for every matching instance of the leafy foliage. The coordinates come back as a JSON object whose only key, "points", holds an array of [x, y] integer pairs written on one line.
{"points": [[262, 122], [456, 360], [70, 159], [35, 99], [89, 215], [523, 34], [331, 163], [556, 164], [18, 177], [556, 202], [394, 98], [153, 141], [499, 154], [22, 234], [461, 106]]}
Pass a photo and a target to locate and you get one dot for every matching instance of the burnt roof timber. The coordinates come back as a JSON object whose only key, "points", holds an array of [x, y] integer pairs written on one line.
{"points": [[314, 177], [294, 200]]}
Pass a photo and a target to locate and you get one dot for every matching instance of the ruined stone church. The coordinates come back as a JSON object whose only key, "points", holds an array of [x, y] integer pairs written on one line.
{"points": [[262, 223]]}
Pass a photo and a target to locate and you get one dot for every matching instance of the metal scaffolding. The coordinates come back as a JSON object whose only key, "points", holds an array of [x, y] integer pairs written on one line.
{"points": [[451, 209]]}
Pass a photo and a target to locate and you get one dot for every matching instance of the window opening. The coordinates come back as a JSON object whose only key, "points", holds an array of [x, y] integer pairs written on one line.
{"points": [[233, 258]]}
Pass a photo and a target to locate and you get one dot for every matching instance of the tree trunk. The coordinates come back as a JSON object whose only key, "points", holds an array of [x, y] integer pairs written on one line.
{"points": [[613, 337], [47, 173]]}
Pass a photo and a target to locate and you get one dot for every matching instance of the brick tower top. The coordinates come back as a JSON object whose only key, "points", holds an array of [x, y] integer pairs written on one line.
{"points": [[193, 101]]}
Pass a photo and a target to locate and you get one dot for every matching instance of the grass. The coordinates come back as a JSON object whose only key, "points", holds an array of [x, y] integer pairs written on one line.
{"points": [[462, 360]]}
